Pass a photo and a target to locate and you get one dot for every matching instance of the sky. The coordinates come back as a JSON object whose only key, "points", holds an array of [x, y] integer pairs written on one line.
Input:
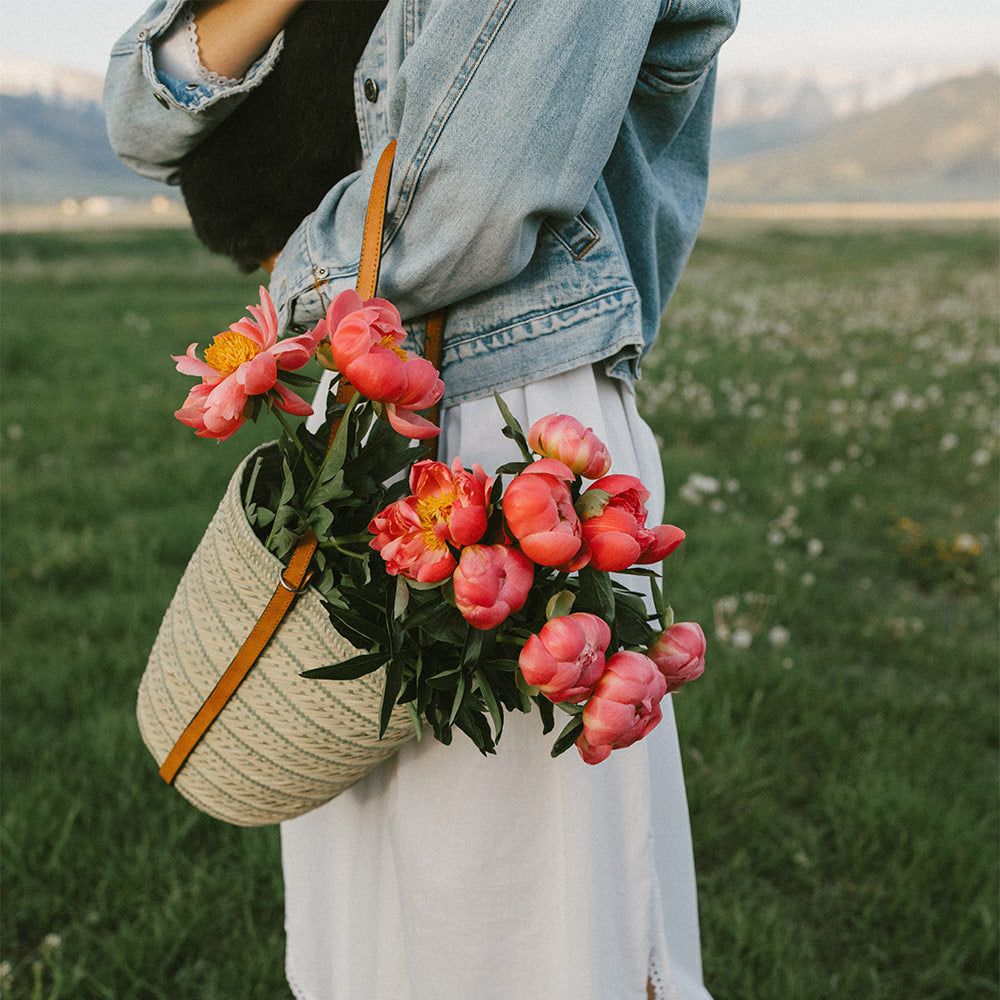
{"points": [[773, 34]]}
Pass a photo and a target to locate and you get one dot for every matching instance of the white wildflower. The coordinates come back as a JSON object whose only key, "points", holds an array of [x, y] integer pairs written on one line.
{"points": [[742, 638], [778, 636]]}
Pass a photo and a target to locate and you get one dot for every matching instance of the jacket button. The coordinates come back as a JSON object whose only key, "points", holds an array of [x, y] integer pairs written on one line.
{"points": [[371, 90]]}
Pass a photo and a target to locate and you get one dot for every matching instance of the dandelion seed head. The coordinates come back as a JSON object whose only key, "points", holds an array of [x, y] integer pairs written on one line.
{"points": [[778, 636], [814, 547], [741, 638]]}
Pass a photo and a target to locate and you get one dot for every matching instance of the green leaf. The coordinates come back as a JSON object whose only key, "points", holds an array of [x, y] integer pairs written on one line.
{"points": [[568, 736], [320, 519], [486, 690], [547, 713], [357, 630], [596, 593], [252, 484], [512, 468], [332, 489], [298, 379], [402, 597], [459, 695], [418, 722], [350, 669], [559, 604], [473, 648], [393, 684], [513, 427], [334, 460]]}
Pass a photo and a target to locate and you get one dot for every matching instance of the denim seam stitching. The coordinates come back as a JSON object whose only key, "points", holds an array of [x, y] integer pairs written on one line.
{"points": [[460, 84]]}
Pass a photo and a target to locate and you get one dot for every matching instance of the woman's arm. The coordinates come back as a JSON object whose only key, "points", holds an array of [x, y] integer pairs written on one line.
{"points": [[150, 126], [505, 114], [232, 34]]}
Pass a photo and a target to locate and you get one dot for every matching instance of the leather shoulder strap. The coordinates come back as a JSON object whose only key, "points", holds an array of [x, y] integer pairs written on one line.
{"points": [[293, 579]]}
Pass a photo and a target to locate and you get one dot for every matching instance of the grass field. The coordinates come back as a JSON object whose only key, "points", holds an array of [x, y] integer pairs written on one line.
{"points": [[826, 401]]}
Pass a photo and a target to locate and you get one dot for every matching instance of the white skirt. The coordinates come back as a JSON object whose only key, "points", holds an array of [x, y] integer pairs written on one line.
{"points": [[447, 875]]}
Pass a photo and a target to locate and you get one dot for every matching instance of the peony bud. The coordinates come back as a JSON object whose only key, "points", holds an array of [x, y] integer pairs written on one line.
{"points": [[564, 438], [538, 509], [566, 658], [680, 654], [624, 707], [614, 525], [491, 582]]}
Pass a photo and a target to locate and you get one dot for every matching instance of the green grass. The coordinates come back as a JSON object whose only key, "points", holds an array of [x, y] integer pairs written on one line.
{"points": [[826, 403]]}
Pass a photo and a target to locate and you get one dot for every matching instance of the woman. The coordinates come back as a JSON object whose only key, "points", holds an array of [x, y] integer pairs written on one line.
{"points": [[549, 180]]}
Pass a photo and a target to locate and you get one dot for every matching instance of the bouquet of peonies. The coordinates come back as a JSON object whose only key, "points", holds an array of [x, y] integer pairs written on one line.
{"points": [[478, 594]]}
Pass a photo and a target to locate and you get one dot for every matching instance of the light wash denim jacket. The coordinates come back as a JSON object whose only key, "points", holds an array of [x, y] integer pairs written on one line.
{"points": [[549, 180]]}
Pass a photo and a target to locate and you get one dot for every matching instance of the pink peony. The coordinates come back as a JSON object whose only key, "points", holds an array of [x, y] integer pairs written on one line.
{"points": [[566, 658], [624, 707], [614, 525], [452, 500], [680, 654], [240, 362], [365, 339], [564, 438], [447, 506], [491, 582], [538, 509], [408, 546]]}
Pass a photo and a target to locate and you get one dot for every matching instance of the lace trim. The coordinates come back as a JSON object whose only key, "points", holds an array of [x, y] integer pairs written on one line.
{"points": [[660, 979], [205, 76]]}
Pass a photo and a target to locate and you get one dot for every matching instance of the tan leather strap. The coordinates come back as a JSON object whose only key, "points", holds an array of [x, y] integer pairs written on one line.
{"points": [[293, 579], [290, 583]]}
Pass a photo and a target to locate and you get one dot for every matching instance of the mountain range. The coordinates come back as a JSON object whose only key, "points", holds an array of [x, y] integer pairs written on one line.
{"points": [[823, 133]]}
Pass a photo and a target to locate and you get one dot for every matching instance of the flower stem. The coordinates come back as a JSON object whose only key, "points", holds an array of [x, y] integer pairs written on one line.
{"points": [[290, 431]]}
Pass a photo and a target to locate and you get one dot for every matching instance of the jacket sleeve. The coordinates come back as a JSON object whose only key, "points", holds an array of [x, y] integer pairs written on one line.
{"points": [[505, 112], [150, 125]]}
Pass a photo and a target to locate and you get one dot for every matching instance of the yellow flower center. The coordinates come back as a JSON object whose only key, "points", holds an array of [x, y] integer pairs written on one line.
{"points": [[389, 345], [229, 350], [432, 511]]}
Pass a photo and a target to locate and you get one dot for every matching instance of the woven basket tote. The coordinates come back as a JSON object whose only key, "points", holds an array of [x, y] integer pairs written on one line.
{"points": [[273, 744]]}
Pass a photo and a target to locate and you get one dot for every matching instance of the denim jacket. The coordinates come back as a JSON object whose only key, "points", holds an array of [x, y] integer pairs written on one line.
{"points": [[549, 180]]}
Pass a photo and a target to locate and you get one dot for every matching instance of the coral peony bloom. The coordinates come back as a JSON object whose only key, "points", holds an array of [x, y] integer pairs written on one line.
{"points": [[447, 506], [566, 658], [410, 547], [564, 438], [491, 582], [624, 707], [365, 342], [240, 362], [680, 654], [451, 502], [539, 512], [614, 525]]}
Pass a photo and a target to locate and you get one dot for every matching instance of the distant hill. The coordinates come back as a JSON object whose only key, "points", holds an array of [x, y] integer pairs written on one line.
{"points": [[938, 143], [55, 149], [53, 142], [809, 135]]}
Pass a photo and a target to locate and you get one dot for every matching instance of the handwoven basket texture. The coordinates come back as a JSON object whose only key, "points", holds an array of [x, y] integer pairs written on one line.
{"points": [[283, 744]]}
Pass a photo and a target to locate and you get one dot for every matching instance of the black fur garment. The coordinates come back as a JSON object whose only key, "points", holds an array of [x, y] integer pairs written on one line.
{"points": [[250, 183]]}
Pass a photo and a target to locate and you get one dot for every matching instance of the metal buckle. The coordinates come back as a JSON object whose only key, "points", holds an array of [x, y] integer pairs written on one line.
{"points": [[302, 588]]}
